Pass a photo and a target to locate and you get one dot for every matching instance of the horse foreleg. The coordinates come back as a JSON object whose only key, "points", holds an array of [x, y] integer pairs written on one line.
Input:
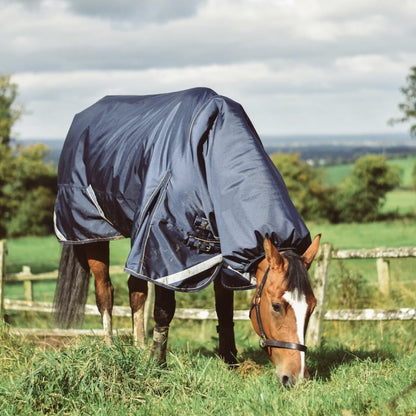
{"points": [[164, 310], [98, 260], [138, 295], [224, 305]]}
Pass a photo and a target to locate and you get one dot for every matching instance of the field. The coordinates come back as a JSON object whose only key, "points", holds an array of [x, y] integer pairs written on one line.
{"points": [[335, 174], [361, 368], [400, 201]]}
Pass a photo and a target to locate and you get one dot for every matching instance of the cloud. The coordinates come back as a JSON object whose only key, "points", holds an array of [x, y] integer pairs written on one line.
{"points": [[284, 60], [121, 10], [139, 11], [69, 36]]}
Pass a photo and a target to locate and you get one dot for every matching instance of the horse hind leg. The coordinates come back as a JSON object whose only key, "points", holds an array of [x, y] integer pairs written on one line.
{"points": [[224, 305], [138, 294], [98, 260], [164, 310]]}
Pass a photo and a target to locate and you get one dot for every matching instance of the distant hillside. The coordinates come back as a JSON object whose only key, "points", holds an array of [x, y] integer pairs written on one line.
{"points": [[336, 149], [323, 149], [336, 154]]}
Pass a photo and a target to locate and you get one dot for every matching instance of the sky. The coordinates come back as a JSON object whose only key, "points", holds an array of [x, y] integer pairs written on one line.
{"points": [[296, 66]]}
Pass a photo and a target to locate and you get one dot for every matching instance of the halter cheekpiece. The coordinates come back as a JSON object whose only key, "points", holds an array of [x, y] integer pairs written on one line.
{"points": [[265, 342]]}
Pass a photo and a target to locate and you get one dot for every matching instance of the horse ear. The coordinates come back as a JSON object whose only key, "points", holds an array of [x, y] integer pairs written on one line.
{"points": [[272, 254], [311, 251]]}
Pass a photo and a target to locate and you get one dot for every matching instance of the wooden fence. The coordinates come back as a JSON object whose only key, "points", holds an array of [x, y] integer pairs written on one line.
{"points": [[320, 282]]}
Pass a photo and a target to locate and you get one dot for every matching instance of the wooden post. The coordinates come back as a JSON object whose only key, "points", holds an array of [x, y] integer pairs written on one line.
{"points": [[383, 274], [148, 308], [3, 251], [320, 283], [27, 284]]}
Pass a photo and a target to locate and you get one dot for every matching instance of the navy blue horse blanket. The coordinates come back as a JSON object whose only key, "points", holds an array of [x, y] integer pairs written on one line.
{"points": [[184, 175]]}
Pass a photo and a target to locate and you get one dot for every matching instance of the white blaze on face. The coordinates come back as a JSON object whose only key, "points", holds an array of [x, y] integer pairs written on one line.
{"points": [[300, 307]]}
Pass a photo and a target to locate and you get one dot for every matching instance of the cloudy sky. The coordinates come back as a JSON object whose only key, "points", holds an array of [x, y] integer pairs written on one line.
{"points": [[296, 66]]}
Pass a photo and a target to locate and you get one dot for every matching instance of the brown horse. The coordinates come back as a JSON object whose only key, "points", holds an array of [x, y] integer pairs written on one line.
{"points": [[185, 176], [280, 309]]}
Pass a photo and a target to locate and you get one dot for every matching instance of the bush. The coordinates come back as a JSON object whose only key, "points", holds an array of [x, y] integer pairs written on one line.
{"points": [[27, 191], [359, 197], [304, 184]]}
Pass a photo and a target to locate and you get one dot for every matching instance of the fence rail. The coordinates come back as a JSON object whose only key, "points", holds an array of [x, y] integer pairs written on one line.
{"points": [[320, 281], [402, 314]]}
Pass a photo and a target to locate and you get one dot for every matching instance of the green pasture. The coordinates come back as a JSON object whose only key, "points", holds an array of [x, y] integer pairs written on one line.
{"points": [[42, 254], [89, 378], [335, 174], [399, 202], [360, 368]]}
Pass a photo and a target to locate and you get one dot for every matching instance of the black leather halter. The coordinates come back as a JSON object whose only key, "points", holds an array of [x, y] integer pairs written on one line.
{"points": [[265, 342]]}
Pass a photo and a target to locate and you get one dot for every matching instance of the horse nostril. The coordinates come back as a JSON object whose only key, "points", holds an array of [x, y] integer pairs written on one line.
{"points": [[287, 381]]}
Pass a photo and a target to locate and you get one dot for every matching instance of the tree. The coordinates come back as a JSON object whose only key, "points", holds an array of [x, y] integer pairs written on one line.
{"points": [[27, 184], [408, 107], [31, 193], [9, 111], [6, 176], [359, 197], [27, 191], [304, 184]]}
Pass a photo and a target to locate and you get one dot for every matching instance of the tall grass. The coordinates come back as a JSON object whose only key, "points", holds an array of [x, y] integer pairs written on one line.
{"points": [[89, 378]]}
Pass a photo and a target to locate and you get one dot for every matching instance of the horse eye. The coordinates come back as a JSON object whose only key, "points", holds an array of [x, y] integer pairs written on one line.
{"points": [[277, 307]]}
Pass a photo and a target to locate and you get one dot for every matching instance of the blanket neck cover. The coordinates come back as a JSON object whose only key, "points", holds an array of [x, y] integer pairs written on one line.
{"points": [[185, 177]]}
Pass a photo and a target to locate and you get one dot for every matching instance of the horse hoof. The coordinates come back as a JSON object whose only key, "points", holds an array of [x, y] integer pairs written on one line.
{"points": [[159, 357], [229, 358]]}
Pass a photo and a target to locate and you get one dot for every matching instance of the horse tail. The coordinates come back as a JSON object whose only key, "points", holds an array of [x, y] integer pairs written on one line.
{"points": [[71, 287]]}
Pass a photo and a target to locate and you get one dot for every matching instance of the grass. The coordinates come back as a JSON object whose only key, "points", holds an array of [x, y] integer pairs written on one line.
{"points": [[400, 202], [42, 253], [360, 368], [335, 174], [397, 233], [89, 378], [406, 165]]}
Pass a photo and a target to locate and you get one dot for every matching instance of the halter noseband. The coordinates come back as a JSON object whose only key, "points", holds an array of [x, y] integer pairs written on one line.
{"points": [[265, 342]]}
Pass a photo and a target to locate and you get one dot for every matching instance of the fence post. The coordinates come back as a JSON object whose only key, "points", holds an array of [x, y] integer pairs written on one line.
{"points": [[148, 307], [27, 284], [383, 274], [320, 283], [3, 252]]}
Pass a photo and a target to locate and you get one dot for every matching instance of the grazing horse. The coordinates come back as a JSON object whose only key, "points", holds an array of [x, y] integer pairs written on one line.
{"points": [[183, 175], [281, 306]]}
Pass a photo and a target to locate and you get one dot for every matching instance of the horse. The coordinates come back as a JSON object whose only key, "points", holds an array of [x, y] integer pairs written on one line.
{"points": [[280, 308], [183, 175]]}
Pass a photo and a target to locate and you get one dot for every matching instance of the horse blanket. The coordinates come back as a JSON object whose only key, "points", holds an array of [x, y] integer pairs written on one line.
{"points": [[184, 175]]}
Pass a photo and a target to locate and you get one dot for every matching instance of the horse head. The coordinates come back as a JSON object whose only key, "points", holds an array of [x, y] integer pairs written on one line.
{"points": [[281, 307]]}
